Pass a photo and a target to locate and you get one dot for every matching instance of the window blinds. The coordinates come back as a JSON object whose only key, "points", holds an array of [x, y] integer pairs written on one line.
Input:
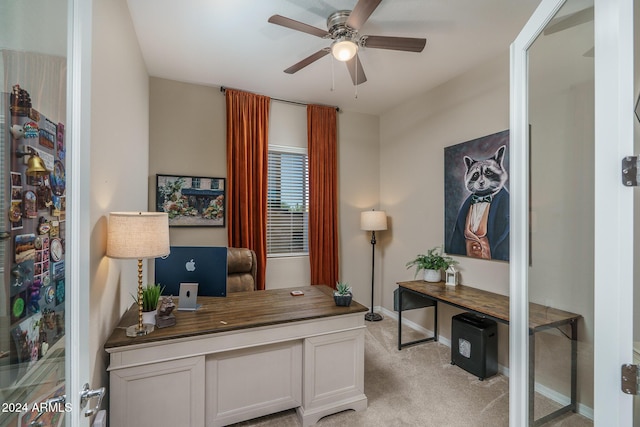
{"points": [[287, 203]]}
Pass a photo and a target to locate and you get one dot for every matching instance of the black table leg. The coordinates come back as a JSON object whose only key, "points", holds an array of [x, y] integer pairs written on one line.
{"points": [[399, 319], [401, 345], [573, 323]]}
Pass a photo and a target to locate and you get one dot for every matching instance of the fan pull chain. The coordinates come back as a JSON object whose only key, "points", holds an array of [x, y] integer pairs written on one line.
{"points": [[332, 75], [356, 59]]}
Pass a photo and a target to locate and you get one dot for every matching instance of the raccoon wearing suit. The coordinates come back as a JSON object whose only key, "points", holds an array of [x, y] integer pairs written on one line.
{"points": [[482, 225]]}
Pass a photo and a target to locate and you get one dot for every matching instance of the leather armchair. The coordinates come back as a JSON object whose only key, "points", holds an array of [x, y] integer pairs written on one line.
{"points": [[241, 270]]}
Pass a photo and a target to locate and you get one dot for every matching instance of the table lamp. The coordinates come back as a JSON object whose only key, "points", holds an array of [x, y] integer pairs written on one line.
{"points": [[373, 221], [138, 235]]}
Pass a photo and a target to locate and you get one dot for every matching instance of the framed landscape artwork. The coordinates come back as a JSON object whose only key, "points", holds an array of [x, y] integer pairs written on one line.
{"points": [[191, 201]]}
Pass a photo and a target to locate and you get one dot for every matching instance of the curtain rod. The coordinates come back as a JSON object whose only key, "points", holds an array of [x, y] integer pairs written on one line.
{"points": [[223, 90]]}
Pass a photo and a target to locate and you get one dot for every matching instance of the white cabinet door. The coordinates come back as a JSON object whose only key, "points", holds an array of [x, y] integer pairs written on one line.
{"points": [[159, 394], [333, 375], [249, 383]]}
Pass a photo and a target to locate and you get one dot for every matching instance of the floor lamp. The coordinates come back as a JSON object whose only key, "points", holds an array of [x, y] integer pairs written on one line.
{"points": [[373, 221], [138, 235]]}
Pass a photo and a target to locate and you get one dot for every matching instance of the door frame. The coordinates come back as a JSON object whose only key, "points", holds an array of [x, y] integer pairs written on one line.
{"points": [[613, 228], [519, 217], [78, 278], [613, 269]]}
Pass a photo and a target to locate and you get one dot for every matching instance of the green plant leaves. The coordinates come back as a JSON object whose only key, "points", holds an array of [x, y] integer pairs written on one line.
{"points": [[343, 288], [150, 296], [435, 259]]}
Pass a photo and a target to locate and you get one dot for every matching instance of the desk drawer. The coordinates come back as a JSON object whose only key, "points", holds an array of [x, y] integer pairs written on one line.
{"points": [[249, 383], [410, 301]]}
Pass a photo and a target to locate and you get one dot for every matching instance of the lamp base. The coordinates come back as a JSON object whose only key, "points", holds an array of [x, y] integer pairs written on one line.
{"points": [[133, 331], [373, 317]]}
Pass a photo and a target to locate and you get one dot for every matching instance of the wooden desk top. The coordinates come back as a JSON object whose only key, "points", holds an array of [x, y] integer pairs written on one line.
{"points": [[239, 310], [489, 303]]}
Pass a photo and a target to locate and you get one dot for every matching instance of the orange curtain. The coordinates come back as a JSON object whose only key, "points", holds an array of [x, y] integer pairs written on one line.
{"points": [[247, 156], [323, 196]]}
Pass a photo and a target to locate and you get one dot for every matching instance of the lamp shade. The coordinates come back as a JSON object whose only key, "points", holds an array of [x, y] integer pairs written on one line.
{"points": [[373, 220], [138, 235], [344, 49]]}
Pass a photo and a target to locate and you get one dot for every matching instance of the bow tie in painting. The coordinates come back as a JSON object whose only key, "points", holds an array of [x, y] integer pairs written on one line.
{"points": [[481, 199]]}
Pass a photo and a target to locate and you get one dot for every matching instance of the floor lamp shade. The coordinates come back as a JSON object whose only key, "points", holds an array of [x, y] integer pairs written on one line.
{"points": [[373, 220], [138, 235]]}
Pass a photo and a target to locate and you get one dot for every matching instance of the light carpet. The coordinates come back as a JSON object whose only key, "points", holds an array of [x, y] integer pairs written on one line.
{"points": [[418, 386]]}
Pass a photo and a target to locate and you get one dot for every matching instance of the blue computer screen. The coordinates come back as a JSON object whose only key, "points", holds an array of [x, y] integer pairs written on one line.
{"points": [[205, 265]]}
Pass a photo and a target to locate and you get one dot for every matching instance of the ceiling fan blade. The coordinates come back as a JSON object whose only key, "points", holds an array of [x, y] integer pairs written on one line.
{"points": [[306, 61], [577, 18], [298, 26], [355, 69], [361, 12], [407, 44]]}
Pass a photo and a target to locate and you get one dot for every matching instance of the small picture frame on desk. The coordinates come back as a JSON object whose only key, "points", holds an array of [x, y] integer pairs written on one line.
{"points": [[165, 316]]}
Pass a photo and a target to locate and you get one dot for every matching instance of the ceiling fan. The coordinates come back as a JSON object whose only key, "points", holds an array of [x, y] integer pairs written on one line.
{"points": [[342, 28]]}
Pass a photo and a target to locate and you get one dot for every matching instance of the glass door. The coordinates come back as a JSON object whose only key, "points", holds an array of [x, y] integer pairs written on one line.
{"points": [[636, 234], [43, 284], [571, 121], [561, 208]]}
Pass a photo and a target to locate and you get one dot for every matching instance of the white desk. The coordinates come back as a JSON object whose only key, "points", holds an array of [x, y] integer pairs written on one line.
{"points": [[240, 357]]}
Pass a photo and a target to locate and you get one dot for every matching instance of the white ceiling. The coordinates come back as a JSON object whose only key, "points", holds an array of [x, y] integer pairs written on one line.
{"points": [[230, 43]]}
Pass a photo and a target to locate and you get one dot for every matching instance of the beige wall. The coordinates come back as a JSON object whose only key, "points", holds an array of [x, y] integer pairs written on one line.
{"points": [[287, 127], [359, 188], [186, 137], [187, 133], [412, 139], [393, 162], [119, 157], [562, 181]]}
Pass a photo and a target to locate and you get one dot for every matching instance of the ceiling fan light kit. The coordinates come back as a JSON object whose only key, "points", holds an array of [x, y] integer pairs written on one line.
{"points": [[344, 49], [343, 27]]}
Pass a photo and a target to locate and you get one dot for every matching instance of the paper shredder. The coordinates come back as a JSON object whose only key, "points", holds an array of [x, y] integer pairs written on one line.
{"points": [[474, 344]]}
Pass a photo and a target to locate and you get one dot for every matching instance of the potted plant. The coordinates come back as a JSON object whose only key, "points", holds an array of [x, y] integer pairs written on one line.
{"points": [[150, 297], [342, 295], [432, 263]]}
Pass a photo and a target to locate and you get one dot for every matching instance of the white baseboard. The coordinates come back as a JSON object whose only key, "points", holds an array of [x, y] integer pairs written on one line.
{"points": [[560, 398]]}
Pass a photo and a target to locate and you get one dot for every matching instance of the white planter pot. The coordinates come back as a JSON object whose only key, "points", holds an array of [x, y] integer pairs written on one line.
{"points": [[149, 317], [432, 276]]}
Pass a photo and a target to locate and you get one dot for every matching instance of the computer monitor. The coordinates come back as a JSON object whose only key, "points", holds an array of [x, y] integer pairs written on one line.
{"points": [[204, 265]]}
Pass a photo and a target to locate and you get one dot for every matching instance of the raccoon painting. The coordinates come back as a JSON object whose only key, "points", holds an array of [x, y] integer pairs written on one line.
{"points": [[482, 225]]}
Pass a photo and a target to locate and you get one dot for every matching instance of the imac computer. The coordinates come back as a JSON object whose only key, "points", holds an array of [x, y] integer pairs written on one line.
{"points": [[204, 265]]}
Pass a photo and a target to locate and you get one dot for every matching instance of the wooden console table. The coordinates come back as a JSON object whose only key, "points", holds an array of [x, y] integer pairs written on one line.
{"points": [[496, 307], [240, 357]]}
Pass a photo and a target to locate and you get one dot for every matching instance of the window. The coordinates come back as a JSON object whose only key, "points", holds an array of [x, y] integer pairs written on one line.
{"points": [[287, 202]]}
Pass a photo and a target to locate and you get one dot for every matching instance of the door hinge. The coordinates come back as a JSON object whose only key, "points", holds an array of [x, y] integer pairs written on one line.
{"points": [[630, 171], [630, 379]]}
